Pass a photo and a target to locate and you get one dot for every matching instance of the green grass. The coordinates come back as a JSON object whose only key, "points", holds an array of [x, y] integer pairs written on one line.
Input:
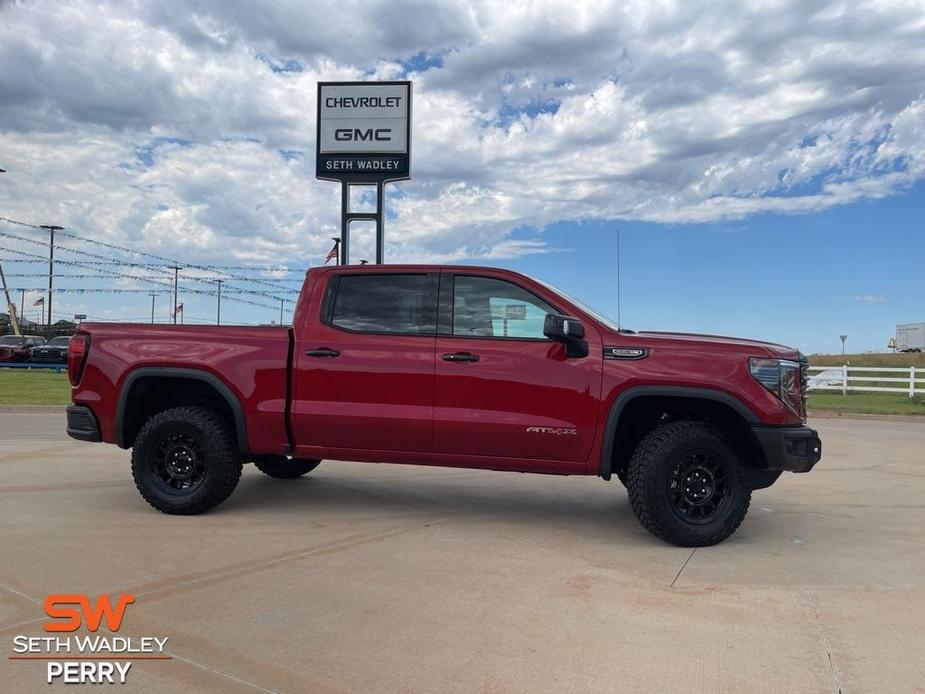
{"points": [[897, 361], [866, 403], [39, 387]]}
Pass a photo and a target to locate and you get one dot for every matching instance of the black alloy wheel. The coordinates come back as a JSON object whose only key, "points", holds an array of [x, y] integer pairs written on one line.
{"points": [[699, 486], [179, 463]]}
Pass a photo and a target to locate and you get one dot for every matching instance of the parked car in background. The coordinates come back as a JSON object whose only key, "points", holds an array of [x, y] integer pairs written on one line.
{"points": [[54, 351], [18, 347]]}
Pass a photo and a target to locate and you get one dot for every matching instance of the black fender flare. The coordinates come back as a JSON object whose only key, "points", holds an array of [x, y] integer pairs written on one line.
{"points": [[240, 423], [630, 394]]}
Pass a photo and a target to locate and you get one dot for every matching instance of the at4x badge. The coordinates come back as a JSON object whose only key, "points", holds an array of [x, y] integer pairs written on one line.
{"points": [[557, 431]]}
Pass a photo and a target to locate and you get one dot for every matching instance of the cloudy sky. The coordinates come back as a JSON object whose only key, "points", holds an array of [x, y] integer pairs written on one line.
{"points": [[186, 129]]}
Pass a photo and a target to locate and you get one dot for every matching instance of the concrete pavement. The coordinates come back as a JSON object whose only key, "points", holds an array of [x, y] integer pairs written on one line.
{"points": [[392, 578]]}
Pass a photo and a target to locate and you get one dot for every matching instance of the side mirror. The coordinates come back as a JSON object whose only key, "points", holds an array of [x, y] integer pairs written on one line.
{"points": [[569, 331]]}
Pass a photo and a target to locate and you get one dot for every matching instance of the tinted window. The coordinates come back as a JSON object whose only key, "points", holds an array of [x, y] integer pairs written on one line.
{"points": [[12, 341], [59, 342], [486, 307], [381, 303]]}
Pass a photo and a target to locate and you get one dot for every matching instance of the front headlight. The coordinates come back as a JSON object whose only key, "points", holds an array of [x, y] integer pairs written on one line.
{"points": [[782, 377]]}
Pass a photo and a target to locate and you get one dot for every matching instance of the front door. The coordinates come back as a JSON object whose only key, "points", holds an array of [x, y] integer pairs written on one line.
{"points": [[364, 364], [504, 390]]}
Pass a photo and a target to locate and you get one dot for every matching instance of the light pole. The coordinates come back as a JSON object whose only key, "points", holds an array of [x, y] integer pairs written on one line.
{"points": [[176, 274], [843, 338], [218, 315], [153, 296], [51, 228]]}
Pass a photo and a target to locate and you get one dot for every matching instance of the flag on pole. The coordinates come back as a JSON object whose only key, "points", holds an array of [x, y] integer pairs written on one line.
{"points": [[179, 309], [332, 255], [40, 302]]}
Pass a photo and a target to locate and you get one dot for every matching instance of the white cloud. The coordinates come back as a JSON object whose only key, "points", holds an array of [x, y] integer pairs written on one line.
{"points": [[871, 299], [162, 125]]}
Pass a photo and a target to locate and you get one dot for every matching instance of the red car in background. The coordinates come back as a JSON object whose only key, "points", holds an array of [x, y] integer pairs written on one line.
{"points": [[18, 347]]}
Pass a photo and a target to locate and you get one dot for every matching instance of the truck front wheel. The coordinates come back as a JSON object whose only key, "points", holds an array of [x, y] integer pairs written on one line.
{"points": [[185, 460], [686, 485], [285, 468]]}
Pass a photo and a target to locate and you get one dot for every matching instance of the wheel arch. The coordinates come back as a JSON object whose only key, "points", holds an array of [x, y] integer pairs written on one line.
{"points": [[635, 397], [187, 386]]}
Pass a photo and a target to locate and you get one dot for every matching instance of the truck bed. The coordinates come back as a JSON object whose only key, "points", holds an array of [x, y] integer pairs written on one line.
{"points": [[252, 362]]}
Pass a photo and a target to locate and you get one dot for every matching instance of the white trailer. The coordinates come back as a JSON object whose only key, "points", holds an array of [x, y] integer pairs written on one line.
{"points": [[910, 337]]}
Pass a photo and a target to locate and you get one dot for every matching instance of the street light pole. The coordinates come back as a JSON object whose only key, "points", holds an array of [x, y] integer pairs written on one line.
{"points": [[176, 274], [281, 311], [153, 295], [218, 316], [51, 228]]}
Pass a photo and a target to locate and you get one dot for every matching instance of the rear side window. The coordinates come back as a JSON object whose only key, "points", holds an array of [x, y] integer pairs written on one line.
{"points": [[381, 304]]}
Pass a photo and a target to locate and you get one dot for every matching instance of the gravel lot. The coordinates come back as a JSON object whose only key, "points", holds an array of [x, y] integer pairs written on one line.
{"points": [[393, 578]]}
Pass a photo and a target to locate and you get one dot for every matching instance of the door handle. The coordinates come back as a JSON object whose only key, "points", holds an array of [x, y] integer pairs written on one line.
{"points": [[461, 357], [322, 352]]}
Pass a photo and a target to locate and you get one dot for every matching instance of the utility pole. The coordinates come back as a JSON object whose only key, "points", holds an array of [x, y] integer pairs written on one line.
{"points": [[281, 311], [176, 275], [153, 296], [218, 316], [51, 228], [10, 305]]}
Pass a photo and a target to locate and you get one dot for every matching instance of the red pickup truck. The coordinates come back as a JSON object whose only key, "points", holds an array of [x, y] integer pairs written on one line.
{"points": [[456, 366]]}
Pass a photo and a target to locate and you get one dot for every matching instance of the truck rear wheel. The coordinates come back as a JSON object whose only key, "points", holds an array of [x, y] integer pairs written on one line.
{"points": [[285, 468], [686, 485], [185, 460]]}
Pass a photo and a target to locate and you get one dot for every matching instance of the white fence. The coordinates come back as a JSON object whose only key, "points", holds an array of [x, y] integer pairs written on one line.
{"points": [[867, 379]]}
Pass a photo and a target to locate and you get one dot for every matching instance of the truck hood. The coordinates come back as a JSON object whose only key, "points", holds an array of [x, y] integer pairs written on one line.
{"points": [[701, 342]]}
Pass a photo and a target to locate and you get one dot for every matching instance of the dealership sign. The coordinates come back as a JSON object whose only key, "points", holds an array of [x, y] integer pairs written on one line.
{"points": [[363, 131]]}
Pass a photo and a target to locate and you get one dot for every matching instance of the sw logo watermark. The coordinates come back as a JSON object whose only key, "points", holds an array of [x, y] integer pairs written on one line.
{"points": [[71, 658], [56, 606]]}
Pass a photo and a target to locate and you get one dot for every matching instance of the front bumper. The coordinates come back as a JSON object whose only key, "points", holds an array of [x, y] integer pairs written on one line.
{"points": [[82, 425], [795, 449]]}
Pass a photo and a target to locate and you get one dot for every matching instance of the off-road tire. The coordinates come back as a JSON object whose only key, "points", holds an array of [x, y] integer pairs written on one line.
{"points": [[659, 502], [281, 467], [216, 457]]}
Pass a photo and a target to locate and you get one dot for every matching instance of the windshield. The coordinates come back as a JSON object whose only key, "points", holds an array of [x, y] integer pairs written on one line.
{"points": [[12, 340], [596, 315], [59, 342]]}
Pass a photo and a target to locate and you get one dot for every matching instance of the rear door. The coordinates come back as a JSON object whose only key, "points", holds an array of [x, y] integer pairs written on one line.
{"points": [[364, 364], [503, 389]]}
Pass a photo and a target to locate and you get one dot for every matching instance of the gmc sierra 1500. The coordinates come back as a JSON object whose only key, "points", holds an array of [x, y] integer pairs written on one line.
{"points": [[454, 366]]}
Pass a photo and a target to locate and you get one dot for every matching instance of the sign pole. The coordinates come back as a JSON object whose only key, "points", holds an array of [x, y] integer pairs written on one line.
{"points": [[380, 222], [344, 222]]}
